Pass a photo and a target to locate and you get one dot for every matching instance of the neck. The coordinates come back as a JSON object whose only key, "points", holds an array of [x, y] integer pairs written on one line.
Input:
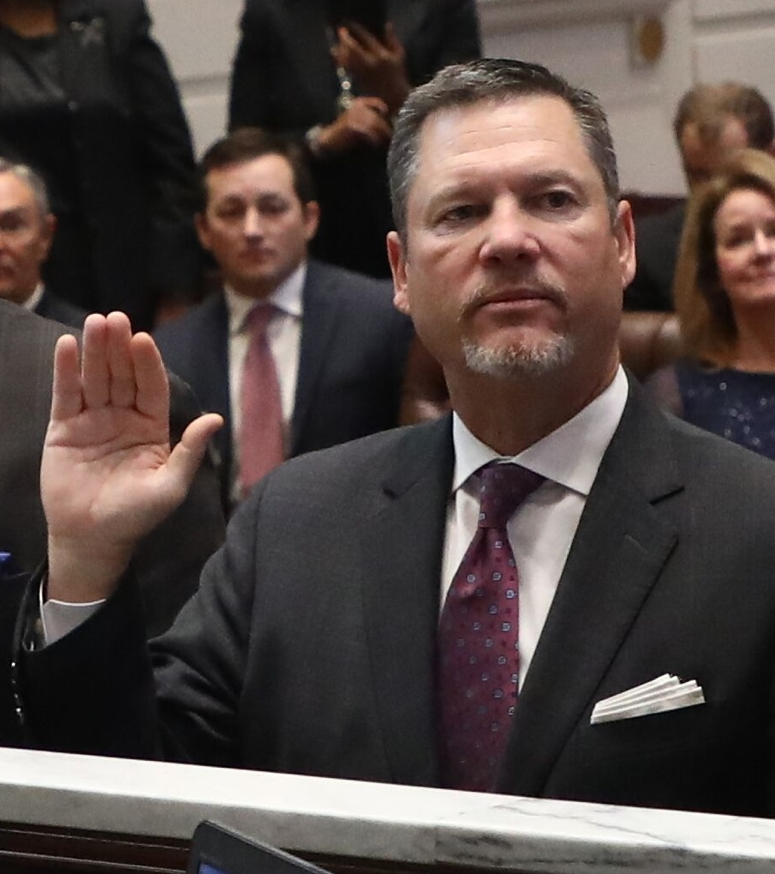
{"points": [[755, 346], [509, 415]]}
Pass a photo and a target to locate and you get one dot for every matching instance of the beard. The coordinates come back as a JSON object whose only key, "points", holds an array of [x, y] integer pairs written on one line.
{"points": [[523, 359], [535, 354]]}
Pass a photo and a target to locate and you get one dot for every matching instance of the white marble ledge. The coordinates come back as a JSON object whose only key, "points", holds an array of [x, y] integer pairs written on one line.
{"points": [[381, 822]]}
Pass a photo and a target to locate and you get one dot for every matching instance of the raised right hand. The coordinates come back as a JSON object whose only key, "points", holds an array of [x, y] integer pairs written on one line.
{"points": [[108, 476]]}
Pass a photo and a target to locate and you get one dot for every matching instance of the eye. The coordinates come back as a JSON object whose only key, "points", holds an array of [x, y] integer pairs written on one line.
{"points": [[556, 199], [735, 241], [231, 212], [273, 206], [460, 214]]}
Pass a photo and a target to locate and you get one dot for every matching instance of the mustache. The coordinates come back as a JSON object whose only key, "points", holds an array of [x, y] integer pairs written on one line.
{"points": [[514, 289]]}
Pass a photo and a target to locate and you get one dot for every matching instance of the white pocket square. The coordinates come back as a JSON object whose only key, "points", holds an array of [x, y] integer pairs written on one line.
{"points": [[664, 693]]}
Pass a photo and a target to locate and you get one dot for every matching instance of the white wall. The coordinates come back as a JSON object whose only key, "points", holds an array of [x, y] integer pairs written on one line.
{"points": [[589, 41]]}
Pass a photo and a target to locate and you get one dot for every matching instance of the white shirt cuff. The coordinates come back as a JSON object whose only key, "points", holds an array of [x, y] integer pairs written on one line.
{"points": [[60, 617]]}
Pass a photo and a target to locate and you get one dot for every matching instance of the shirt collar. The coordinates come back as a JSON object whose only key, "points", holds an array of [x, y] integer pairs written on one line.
{"points": [[287, 297], [34, 299], [570, 455]]}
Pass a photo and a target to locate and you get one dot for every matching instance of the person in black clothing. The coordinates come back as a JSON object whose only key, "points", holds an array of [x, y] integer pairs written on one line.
{"points": [[88, 100], [337, 90]]}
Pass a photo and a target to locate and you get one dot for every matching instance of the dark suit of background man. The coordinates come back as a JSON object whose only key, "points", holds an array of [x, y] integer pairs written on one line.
{"points": [[311, 644], [711, 123], [27, 229], [296, 73], [338, 343]]}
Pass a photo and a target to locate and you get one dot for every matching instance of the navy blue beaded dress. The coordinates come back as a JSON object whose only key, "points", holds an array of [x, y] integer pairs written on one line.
{"points": [[736, 404]]}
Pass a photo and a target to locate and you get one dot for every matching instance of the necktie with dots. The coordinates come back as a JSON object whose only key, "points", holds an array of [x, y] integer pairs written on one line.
{"points": [[478, 638]]}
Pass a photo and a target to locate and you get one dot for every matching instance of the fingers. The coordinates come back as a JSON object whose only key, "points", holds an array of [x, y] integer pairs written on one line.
{"points": [[107, 372], [66, 399], [187, 455], [150, 376], [116, 368], [95, 378], [368, 117], [121, 384]]}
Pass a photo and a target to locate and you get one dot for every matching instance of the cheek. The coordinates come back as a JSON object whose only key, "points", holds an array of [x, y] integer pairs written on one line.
{"points": [[729, 266]]}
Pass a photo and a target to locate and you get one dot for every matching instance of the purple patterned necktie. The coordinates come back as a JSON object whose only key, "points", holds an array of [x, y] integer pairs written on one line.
{"points": [[478, 639]]}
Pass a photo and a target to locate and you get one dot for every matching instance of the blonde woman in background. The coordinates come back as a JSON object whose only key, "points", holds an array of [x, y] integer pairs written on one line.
{"points": [[725, 299]]}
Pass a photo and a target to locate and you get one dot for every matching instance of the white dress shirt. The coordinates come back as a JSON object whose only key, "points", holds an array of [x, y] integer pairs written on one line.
{"points": [[34, 299], [542, 529]]}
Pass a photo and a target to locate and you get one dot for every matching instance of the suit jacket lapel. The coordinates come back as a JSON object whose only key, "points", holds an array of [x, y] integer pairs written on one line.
{"points": [[210, 368], [402, 549], [622, 543], [318, 327]]}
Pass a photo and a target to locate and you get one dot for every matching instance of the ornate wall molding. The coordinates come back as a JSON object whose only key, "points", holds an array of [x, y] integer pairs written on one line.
{"points": [[495, 15]]}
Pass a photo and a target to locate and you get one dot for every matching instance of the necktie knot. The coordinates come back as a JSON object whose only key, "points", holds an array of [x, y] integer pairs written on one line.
{"points": [[503, 487], [257, 320]]}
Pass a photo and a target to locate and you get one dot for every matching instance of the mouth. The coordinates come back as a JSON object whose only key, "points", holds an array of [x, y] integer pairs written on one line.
{"points": [[515, 298]]}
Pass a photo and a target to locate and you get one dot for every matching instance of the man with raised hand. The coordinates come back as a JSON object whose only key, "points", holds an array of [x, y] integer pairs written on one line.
{"points": [[556, 591]]}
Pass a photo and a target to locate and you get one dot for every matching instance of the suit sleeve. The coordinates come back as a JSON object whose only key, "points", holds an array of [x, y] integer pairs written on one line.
{"points": [[167, 154], [251, 71], [102, 690]]}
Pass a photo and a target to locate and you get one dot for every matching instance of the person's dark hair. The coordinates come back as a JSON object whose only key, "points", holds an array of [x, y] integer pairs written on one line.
{"points": [[248, 143], [711, 106], [497, 81], [708, 327]]}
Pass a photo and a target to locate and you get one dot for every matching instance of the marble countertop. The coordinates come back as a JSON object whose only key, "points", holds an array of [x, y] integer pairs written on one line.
{"points": [[375, 821]]}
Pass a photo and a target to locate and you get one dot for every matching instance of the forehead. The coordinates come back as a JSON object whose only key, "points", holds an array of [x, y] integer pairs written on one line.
{"points": [[532, 134], [701, 153], [744, 204], [264, 175], [14, 193]]}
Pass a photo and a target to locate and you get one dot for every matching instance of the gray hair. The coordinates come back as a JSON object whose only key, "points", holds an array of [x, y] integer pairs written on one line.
{"points": [[498, 81], [32, 179]]}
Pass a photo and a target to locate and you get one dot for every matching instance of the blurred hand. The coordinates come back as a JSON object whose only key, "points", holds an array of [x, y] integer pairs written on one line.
{"points": [[108, 476], [377, 67], [365, 122]]}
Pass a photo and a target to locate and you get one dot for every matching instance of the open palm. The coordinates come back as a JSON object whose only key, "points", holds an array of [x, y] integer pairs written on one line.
{"points": [[108, 476]]}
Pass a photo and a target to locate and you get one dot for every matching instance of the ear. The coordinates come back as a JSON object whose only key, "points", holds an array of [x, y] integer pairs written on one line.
{"points": [[47, 235], [202, 230], [397, 258], [311, 218], [624, 231]]}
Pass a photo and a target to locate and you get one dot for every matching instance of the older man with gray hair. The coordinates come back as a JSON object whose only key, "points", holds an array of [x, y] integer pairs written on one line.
{"points": [[27, 229]]}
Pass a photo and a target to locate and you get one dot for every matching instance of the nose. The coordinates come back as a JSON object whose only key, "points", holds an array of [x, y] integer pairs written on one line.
{"points": [[764, 244], [509, 233], [252, 225]]}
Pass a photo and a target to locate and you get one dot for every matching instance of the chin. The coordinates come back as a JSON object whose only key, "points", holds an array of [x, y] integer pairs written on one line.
{"points": [[523, 359]]}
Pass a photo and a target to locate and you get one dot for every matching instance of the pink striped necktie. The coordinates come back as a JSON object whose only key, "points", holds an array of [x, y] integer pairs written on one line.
{"points": [[478, 638], [261, 444]]}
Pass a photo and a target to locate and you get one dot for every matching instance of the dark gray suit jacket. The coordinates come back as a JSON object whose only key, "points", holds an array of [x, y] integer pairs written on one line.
{"points": [[310, 644], [352, 355]]}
